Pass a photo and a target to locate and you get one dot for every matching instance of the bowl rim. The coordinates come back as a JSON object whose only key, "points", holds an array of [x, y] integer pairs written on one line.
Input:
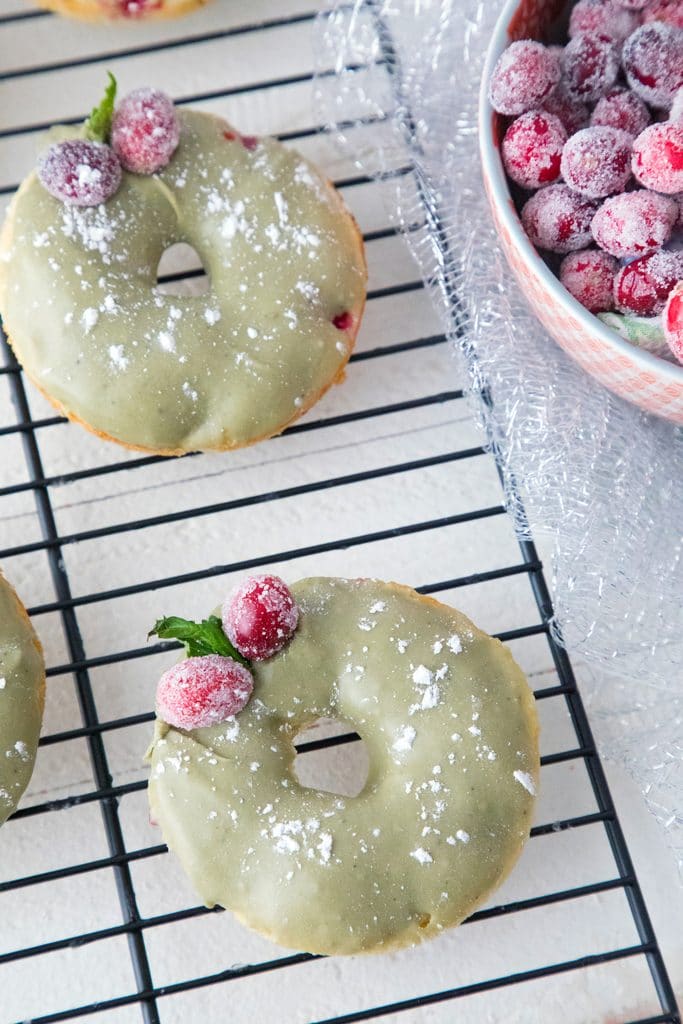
{"points": [[492, 166]]}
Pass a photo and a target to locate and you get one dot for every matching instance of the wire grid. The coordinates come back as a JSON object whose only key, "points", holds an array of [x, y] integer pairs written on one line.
{"points": [[57, 546]]}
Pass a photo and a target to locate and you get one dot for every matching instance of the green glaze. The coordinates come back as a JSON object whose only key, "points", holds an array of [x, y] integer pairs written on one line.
{"points": [[444, 813], [169, 373], [22, 687]]}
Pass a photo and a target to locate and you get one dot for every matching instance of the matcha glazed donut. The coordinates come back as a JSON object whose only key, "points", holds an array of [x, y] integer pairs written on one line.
{"points": [[22, 695], [450, 726], [169, 373]]}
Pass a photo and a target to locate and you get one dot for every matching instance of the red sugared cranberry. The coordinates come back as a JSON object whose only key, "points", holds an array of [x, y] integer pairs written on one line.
{"points": [[597, 161], [525, 75], [673, 322], [643, 286], [532, 149], [658, 157], [589, 277], [602, 16], [634, 223], [343, 321], [621, 108], [259, 616], [558, 219], [590, 65], [79, 172], [199, 692], [145, 131], [669, 11], [573, 114], [653, 62]]}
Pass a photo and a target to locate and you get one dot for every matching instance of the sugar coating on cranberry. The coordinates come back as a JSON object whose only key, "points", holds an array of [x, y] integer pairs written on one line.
{"points": [[633, 5], [658, 157], [80, 172], [259, 616], [200, 692], [653, 61], [669, 11], [673, 321], [676, 112], [589, 277], [621, 108], [145, 131], [643, 286], [590, 65], [532, 149], [573, 114], [558, 219], [597, 161], [603, 16], [634, 223], [525, 75]]}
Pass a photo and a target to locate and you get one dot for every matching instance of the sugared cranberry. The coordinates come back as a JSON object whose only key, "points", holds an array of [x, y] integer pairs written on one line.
{"points": [[643, 286], [145, 131], [602, 16], [634, 223], [676, 112], [259, 616], [658, 157], [343, 321], [589, 277], [532, 149], [573, 114], [590, 65], [525, 75], [621, 108], [653, 62], [558, 220], [673, 322], [79, 172], [669, 11], [633, 5], [199, 692], [597, 161]]}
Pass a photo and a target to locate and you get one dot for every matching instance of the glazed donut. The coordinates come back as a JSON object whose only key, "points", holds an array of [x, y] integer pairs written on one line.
{"points": [[169, 373], [114, 10], [22, 695], [450, 727]]}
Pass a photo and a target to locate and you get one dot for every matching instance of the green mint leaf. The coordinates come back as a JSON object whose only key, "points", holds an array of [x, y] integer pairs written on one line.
{"points": [[98, 125], [198, 638]]}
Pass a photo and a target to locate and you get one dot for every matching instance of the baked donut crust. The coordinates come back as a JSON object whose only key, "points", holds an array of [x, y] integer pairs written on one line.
{"points": [[450, 727], [22, 698], [170, 374]]}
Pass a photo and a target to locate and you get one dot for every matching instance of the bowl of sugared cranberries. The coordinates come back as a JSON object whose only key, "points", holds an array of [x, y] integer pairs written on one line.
{"points": [[581, 139]]}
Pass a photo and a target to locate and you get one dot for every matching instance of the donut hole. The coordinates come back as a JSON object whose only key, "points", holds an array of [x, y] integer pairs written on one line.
{"points": [[340, 768], [181, 271]]}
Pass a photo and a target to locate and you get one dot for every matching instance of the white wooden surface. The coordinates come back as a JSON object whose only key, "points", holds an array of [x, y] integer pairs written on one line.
{"points": [[614, 993]]}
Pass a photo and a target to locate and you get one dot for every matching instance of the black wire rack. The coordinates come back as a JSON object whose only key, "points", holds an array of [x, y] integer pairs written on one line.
{"points": [[44, 438]]}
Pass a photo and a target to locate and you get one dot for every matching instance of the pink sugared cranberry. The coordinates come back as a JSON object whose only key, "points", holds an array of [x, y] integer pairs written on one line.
{"points": [[259, 616], [532, 149], [658, 157], [602, 16], [559, 220], [634, 223], [590, 65], [597, 161], [673, 322], [621, 108], [633, 5], [669, 11], [573, 114], [643, 286], [343, 321], [199, 692], [525, 75], [145, 131], [653, 61], [676, 112], [79, 172], [589, 277]]}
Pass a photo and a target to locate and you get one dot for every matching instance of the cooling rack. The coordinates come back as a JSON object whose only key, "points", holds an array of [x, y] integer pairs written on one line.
{"points": [[386, 477]]}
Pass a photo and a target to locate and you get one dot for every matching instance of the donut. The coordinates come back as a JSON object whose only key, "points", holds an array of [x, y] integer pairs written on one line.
{"points": [[22, 696], [168, 373], [450, 727], [115, 10]]}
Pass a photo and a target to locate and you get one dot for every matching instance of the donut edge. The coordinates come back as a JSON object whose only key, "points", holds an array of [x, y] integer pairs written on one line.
{"points": [[93, 14]]}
